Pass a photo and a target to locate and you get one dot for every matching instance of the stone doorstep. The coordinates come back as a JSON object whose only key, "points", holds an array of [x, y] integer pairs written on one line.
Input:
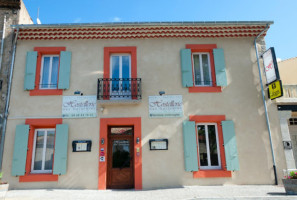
{"points": [[4, 187]]}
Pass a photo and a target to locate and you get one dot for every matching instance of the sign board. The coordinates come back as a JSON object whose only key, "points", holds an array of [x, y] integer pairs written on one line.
{"points": [[79, 106], [275, 90], [166, 106], [270, 66]]}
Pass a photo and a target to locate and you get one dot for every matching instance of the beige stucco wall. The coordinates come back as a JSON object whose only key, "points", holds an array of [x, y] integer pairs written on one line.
{"points": [[158, 64], [287, 70]]}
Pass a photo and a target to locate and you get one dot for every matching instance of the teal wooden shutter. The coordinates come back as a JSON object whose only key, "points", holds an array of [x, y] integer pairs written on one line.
{"points": [[220, 67], [20, 150], [190, 146], [230, 146], [64, 71], [61, 143], [30, 71], [186, 67]]}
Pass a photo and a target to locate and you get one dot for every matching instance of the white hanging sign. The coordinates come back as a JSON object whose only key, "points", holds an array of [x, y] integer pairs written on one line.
{"points": [[270, 66]]}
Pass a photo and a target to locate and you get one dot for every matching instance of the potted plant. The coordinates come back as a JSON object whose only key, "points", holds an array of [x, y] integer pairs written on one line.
{"points": [[290, 183], [3, 185]]}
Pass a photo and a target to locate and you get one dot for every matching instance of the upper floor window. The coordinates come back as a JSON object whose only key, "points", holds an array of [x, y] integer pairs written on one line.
{"points": [[202, 69], [49, 72], [120, 74], [43, 151]]}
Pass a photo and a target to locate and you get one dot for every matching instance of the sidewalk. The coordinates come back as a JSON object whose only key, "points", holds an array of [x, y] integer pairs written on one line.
{"points": [[190, 192]]}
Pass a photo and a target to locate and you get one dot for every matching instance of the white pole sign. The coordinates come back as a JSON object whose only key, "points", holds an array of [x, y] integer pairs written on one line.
{"points": [[270, 66], [79, 106], [166, 106]]}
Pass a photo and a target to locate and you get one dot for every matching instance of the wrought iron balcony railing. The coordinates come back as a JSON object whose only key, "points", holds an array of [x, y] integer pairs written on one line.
{"points": [[119, 88]]}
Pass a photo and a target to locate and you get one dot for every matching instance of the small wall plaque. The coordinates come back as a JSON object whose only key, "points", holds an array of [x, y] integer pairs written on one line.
{"points": [[81, 145], [158, 144]]}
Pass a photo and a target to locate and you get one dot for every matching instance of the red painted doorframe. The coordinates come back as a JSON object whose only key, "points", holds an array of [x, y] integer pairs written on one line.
{"points": [[104, 123]]}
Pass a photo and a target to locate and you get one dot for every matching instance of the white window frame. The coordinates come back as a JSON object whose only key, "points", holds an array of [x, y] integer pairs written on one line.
{"points": [[207, 147], [50, 72], [42, 171], [120, 72], [201, 69]]}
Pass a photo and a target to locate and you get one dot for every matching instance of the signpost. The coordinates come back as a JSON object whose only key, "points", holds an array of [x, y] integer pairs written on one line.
{"points": [[273, 81]]}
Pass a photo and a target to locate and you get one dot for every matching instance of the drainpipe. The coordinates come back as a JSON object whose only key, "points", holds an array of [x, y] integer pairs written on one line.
{"points": [[7, 100], [2, 42], [265, 106]]}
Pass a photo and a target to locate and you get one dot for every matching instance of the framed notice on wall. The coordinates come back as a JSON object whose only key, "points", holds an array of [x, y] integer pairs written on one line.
{"points": [[166, 106], [79, 107]]}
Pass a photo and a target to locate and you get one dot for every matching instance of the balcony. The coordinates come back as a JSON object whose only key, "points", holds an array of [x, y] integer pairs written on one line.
{"points": [[119, 90], [290, 94]]}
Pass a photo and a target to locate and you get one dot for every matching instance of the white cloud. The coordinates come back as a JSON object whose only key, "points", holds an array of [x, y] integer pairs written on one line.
{"points": [[116, 19], [77, 20], [278, 59]]}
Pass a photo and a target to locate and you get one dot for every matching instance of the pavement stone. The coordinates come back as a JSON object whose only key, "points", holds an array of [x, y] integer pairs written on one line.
{"points": [[241, 192]]}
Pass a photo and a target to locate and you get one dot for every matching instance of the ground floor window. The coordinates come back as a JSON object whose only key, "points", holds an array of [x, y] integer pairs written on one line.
{"points": [[208, 146], [43, 151]]}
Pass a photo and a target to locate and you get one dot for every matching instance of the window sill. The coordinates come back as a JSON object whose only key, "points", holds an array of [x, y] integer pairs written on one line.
{"points": [[38, 178], [205, 89], [211, 174], [45, 92]]}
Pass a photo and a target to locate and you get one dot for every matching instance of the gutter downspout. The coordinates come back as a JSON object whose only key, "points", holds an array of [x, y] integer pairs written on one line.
{"points": [[2, 42], [7, 100], [265, 106]]}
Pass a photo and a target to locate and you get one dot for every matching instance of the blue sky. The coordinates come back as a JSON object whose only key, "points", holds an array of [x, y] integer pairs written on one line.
{"points": [[282, 35]]}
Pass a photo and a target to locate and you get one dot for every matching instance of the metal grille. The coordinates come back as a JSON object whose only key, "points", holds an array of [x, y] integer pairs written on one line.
{"points": [[119, 88]]}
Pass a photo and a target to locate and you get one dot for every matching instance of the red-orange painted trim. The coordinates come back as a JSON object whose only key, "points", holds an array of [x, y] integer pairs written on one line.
{"points": [[207, 48], [104, 123], [34, 124], [110, 50], [212, 173], [45, 51]]}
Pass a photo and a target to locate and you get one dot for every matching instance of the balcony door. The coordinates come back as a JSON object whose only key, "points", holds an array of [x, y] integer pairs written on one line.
{"points": [[120, 74]]}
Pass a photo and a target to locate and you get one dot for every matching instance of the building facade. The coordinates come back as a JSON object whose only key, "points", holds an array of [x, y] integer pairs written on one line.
{"points": [[287, 108], [175, 104]]}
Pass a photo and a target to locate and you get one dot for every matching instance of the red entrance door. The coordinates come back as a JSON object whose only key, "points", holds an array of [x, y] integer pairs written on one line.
{"points": [[120, 163]]}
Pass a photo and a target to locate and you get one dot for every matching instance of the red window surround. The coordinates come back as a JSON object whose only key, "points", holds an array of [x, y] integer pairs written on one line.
{"points": [[208, 48], [212, 173], [110, 50], [34, 124], [45, 51]]}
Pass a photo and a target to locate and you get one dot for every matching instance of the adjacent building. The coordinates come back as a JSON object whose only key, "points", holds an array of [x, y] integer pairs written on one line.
{"points": [[11, 12], [139, 105]]}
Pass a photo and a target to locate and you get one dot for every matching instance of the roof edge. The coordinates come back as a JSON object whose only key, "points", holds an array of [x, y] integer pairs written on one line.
{"points": [[197, 23]]}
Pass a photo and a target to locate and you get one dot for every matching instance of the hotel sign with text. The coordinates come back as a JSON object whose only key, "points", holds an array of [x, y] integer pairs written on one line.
{"points": [[166, 106]]}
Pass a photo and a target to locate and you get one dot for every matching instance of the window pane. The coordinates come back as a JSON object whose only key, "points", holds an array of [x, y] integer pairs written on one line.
{"points": [[213, 149], [38, 150], [202, 145], [115, 67], [206, 70], [125, 72], [121, 154], [49, 152], [55, 68], [197, 69], [45, 72]]}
